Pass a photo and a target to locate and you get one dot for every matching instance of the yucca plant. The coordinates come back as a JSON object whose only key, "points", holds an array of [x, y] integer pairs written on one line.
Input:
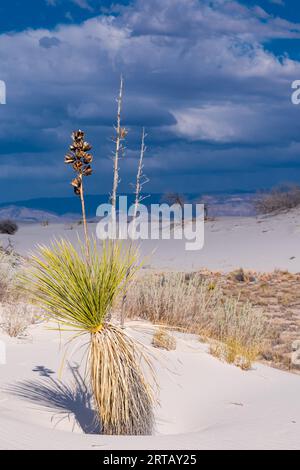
{"points": [[78, 289], [80, 294]]}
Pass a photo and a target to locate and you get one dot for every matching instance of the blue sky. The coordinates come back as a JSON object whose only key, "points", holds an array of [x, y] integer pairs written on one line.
{"points": [[210, 80]]}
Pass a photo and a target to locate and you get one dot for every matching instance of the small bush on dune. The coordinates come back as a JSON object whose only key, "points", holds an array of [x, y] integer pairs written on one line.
{"points": [[7, 274], [16, 317], [8, 227], [192, 304], [10, 267], [278, 199], [162, 339], [173, 299], [79, 290], [240, 329], [15, 314]]}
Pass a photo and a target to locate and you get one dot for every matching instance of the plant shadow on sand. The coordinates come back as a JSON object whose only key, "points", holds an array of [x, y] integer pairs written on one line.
{"points": [[66, 399]]}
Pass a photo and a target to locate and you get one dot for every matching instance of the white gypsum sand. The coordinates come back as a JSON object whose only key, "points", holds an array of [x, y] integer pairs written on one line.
{"points": [[204, 403], [258, 243]]}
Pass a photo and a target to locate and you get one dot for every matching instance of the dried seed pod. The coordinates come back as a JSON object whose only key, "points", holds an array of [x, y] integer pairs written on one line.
{"points": [[87, 158], [76, 182], [69, 159], [77, 135], [87, 171], [123, 132], [77, 165], [80, 153], [86, 146], [80, 159]]}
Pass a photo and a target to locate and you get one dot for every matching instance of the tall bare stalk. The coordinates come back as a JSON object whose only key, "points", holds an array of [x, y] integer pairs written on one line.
{"points": [[141, 179], [84, 216], [120, 136]]}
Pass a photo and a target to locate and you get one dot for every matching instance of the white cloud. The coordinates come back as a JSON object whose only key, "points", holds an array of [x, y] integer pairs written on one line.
{"points": [[215, 123], [193, 73], [277, 2], [159, 56], [84, 4]]}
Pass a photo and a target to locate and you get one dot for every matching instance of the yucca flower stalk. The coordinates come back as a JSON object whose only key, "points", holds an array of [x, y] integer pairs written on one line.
{"points": [[141, 180], [81, 161], [79, 294], [121, 133]]}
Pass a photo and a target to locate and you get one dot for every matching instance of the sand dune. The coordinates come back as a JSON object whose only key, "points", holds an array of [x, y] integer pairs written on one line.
{"points": [[204, 403], [258, 243]]}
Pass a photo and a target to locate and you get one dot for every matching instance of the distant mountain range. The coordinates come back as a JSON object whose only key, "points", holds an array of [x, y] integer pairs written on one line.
{"points": [[24, 214], [69, 208]]}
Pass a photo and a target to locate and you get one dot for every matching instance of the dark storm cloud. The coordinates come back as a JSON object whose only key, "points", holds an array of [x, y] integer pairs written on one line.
{"points": [[197, 75]]}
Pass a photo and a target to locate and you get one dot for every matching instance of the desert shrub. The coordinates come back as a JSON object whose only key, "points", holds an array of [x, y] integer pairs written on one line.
{"points": [[279, 199], [174, 299], [162, 339], [7, 276], [241, 331], [191, 304], [16, 317], [8, 227], [231, 319], [234, 352], [15, 314], [10, 267], [78, 290]]}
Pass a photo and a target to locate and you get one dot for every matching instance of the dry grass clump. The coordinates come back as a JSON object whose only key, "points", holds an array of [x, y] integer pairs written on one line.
{"points": [[16, 317], [10, 265], [174, 299], [234, 352], [241, 331], [278, 199], [277, 294], [162, 339], [238, 321], [15, 314], [193, 304]]}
